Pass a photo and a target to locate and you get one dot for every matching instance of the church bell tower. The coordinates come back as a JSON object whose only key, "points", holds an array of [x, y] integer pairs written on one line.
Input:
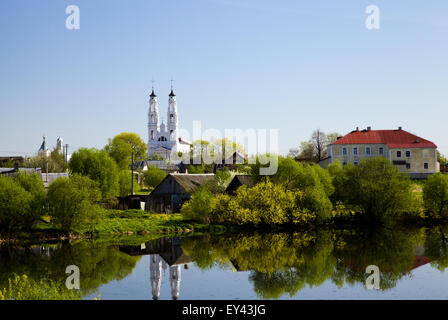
{"points": [[153, 116], [172, 121]]}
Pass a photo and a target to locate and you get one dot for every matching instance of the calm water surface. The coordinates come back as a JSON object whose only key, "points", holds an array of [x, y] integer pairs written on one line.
{"points": [[304, 265]]}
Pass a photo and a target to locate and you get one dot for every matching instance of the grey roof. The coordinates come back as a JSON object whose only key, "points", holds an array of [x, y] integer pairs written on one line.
{"points": [[238, 181], [29, 170], [191, 182]]}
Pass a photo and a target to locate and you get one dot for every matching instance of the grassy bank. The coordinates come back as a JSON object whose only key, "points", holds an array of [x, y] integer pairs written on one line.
{"points": [[140, 222], [121, 222]]}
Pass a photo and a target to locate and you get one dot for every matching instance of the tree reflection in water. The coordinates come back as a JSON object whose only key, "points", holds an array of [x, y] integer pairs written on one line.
{"points": [[98, 263], [285, 263], [278, 263]]}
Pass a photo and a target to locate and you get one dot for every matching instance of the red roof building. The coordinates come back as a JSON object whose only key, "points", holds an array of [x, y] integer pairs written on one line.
{"points": [[394, 139], [409, 152]]}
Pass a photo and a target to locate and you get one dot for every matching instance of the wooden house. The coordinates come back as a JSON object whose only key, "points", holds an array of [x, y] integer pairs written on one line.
{"points": [[174, 190], [238, 181]]}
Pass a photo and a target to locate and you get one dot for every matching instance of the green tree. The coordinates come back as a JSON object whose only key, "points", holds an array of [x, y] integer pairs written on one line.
{"points": [[33, 184], [98, 166], [121, 146], [55, 162], [435, 195], [153, 176], [441, 159], [199, 148], [199, 206], [376, 186], [15, 206], [226, 148], [125, 181], [220, 182], [70, 201]]}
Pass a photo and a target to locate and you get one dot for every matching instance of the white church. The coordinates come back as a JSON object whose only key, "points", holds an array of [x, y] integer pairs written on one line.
{"points": [[163, 139]]}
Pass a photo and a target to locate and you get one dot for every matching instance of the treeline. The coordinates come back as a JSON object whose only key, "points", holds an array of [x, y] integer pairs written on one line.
{"points": [[72, 204], [69, 203], [372, 192]]}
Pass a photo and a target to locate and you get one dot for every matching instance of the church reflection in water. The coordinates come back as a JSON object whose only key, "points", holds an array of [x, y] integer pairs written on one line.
{"points": [[164, 254]]}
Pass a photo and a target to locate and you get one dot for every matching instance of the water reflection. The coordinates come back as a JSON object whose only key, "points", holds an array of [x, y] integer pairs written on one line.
{"points": [[98, 263], [164, 253], [277, 264]]}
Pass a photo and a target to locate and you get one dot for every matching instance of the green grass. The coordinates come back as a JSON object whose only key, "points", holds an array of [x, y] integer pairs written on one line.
{"points": [[136, 221], [118, 223]]}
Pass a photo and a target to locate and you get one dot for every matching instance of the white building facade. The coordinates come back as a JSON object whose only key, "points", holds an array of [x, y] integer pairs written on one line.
{"points": [[163, 139]]}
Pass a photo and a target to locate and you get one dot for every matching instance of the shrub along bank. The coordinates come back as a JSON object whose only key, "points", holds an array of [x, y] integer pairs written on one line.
{"points": [[373, 192]]}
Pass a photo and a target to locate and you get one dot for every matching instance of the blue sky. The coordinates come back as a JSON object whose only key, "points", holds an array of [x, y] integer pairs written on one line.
{"points": [[287, 64]]}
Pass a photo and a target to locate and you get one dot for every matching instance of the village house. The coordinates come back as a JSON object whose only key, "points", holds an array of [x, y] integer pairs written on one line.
{"points": [[238, 181], [408, 152], [174, 190]]}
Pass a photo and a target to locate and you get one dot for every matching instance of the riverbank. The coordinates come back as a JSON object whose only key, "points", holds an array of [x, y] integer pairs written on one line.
{"points": [[120, 223], [137, 223]]}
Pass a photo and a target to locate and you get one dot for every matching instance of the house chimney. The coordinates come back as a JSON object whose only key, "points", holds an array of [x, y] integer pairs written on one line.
{"points": [[369, 128], [357, 128], [399, 128]]}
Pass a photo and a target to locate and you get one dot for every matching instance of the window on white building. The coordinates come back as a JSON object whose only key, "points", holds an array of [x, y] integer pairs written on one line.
{"points": [[398, 154], [344, 151], [426, 166], [408, 154], [381, 150], [368, 151], [355, 150]]}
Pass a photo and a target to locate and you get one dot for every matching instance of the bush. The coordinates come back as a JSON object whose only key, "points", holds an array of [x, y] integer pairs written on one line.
{"points": [[199, 206], [98, 166], [435, 195], [15, 206], [124, 183], [266, 203], [70, 201], [153, 176], [25, 288], [313, 182], [376, 186]]}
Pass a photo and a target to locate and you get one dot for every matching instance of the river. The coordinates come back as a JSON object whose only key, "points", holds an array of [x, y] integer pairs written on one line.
{"points": [[324, 264]]}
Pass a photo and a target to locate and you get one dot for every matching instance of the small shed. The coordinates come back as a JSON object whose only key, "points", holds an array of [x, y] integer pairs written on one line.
{"points": [[238, 181], [135, 201], [174, 190]]}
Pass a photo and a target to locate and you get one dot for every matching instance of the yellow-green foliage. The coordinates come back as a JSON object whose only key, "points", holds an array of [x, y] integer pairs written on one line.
{"points": [[200, 206], [25, 288], [265, 203]]}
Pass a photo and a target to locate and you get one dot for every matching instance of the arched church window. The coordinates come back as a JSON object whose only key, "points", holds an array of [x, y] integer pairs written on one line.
{"points": [[152, 134], [162, 139], [171, 118], [152, 118], [171, 134]]}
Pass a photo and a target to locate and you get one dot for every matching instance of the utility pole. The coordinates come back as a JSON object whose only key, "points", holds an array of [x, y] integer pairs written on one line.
{"points": [[132, 173], [66, 153]]}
